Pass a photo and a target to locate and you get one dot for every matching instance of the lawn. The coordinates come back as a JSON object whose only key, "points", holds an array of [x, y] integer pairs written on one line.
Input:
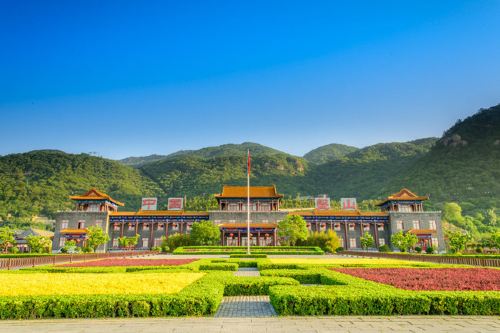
{"points": [[37, 284]]}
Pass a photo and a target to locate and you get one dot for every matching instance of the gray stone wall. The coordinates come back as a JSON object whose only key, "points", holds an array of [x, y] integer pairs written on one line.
{"points": [[241, 217], [424, 219], [72, 219]]}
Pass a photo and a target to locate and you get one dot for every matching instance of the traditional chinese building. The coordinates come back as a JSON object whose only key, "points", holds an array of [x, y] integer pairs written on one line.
{"points": [[402, 211]]}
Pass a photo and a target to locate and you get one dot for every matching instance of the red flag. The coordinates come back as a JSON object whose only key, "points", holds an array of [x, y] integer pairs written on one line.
{"points": [[249, 162]]}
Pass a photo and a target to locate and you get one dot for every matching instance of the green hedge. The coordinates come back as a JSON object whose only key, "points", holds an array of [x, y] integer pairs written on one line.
{"points": [[248, 256], [294, 250], [198, 299], [343, 294], [238, 285], [303, 276], [219, 267]]}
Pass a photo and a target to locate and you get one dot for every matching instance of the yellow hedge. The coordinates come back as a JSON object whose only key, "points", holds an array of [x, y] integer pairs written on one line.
{"points": [[94, 284], [345, 261]]}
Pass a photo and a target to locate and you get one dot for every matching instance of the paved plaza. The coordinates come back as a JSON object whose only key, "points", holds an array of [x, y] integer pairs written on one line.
{"points": [[364, 324]]}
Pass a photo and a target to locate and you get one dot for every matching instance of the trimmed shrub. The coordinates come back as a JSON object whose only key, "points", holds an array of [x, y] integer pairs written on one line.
{"points": [[308, 276], [237, 285], [219, 267], [384, 248], [248, 256]]}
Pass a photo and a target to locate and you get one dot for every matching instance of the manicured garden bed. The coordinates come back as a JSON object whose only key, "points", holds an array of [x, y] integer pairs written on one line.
{"points": [[431, 278], [130, 262], [197, 288], [293, 250]]}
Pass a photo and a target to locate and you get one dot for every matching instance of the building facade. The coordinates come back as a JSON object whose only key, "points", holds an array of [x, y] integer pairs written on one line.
{"points": [[402, 211]]}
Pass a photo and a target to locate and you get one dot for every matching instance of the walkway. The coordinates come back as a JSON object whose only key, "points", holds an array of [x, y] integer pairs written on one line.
{"points": [[245, 307], [249, 325], [247, 271]]}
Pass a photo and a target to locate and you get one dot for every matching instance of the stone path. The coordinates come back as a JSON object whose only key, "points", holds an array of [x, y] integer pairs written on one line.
{"points": [[245, 306], [247, 271], [455, 324]]}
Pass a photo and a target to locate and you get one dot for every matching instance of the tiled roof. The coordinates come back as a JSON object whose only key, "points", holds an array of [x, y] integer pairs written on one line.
{"points": [[404, 195], [74, 231], [94, 194], [422, 231], [229, 191]]}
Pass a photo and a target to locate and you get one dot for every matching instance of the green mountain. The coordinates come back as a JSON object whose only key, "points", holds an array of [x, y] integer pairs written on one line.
{"points": [[463, 166], [204, 171], [329, 153], [138, 161], [39, 182], [364, 172]]}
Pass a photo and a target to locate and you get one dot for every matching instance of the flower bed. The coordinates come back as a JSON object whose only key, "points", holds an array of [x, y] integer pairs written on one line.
{"points": [[430, 278], [37, 284], [130, 262]]}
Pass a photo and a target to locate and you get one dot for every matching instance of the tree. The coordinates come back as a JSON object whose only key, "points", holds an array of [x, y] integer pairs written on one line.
{"points": [[70, 247], [458, 241], [491, 217], [327, 241], [398, 241], [205, 233], [7, 238], [96, 237], [404, 241], [452, 213], [291, 229], [39, 244], [367, 240], [128, 242]]}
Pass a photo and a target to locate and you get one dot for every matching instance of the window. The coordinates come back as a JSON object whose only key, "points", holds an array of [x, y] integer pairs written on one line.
{"points": [[351, 226], [116, 227], [265, 221], [341, 241], [366, 227], [64, 224], [380, 227], [432, 225], [145, 242], [115, 242], [61, 242], [130, 227], [416, 225], [234, 207], [435, 242], [98, 223], [352, 242], [399, 225], [336, 226], [145, 226], [381, 241], [81, 224], [157, 242], [265, 207]]}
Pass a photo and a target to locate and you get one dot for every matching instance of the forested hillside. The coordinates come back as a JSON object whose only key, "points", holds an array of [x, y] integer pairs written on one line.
{"points": [[329, 153], [40, 182]]}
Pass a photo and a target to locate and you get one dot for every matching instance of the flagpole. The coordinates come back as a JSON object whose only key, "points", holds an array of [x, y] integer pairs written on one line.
{"points": [[248, 203]]}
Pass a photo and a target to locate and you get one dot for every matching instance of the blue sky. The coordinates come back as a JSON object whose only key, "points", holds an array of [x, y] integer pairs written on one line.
{"points": [[130, 78]]}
